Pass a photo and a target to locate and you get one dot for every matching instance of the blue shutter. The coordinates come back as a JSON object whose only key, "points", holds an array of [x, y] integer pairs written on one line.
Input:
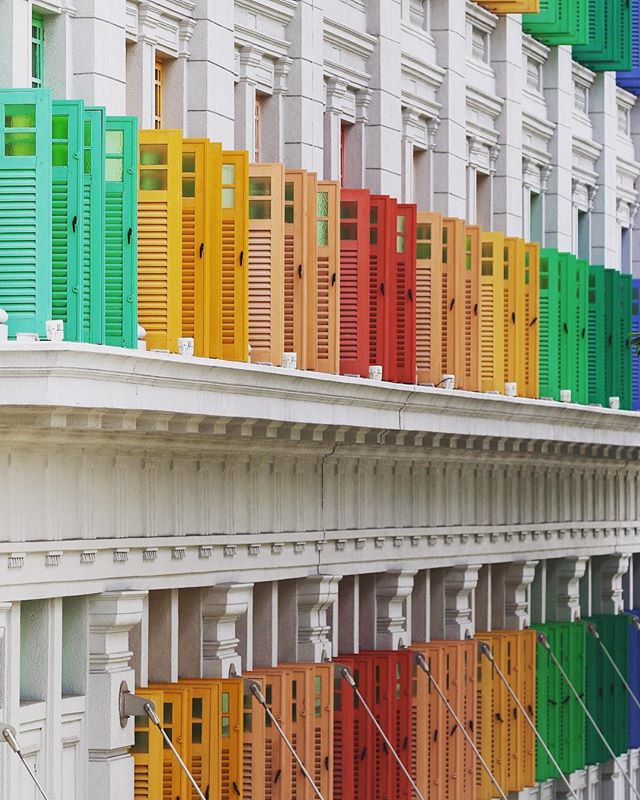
{"points": [[630, 79], [25, 208]]}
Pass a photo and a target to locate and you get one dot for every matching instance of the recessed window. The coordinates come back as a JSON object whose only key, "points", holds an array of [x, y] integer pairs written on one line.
{"points": [[37, 51], [257, 145], [158, 90]]}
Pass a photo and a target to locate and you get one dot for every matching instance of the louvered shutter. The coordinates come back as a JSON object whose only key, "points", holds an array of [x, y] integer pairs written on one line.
{"points": [[569, 320], [532, 320], [176, 708], [633, 677], [321, 711], [147, 752], [121, 232], [344, 737], [67, 213], [609, 46], [235, 248], [230, 738], [93, 224], [203, 712], [526, 667], [406, 293], [253, 745], [159, 238], [300, 255], [511, 6], [635, 328], [196, 226], [597, 336], [582, 321], [470, 367], [626, 389], [453, 296], [546, 709], [299, 692], [559, 22], [549, 358], [428, 724], [630, 80], [324, 283], [383, 340], [266, 263], [429, 297], [515, 313], [25, 208], [354, 282], [492, 345]]}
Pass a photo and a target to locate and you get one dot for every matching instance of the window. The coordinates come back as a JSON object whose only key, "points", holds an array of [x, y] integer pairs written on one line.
{"points": [[535, 217], [421, 179], [158, 79], [37, 51], [258, 130], [343, 149], [584, 235], [625, 250], [483, 201]]}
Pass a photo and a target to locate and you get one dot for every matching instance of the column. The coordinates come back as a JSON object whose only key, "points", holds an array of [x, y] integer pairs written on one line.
{"points": [[393, 589], [605, 233], [111, 617], [175, 81], [10, 768], [349, 614], [606, 583], [304, 102], [355, 168], [99, 65], [15, 53], [506, 48], [190, 636], [315, 596], [245, 100], [563, 588], [273, 120], [452, 590], [221, 607], [558, 82], [58, 53], [163, 636], [335, 93], [448, 27], [210, 106], [409, 120], [421, 606], [265, 624], [511, 584], [384, 134]]}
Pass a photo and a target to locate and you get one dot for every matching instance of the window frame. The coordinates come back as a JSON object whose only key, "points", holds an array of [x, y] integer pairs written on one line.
{"points": [[37, 45]]}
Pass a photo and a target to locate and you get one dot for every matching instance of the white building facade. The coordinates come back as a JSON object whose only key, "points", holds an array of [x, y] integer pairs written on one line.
{"points": [[165, 516]]}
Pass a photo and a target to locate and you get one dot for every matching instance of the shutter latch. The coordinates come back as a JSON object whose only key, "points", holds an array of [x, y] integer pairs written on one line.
{"points": [[201, 249], [129, 235], [74, 223]]}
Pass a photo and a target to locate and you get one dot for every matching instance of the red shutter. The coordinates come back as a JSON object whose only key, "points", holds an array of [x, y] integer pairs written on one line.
{"points": [[354, 282], [406, 293]]}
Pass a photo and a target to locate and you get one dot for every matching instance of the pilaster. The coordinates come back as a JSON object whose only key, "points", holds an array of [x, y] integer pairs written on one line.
{"points": [[606, 583], [563, 588], [511, 609], [15, 53], [452, 591], [335, 93], [273, 116], [393, 623], [605, 233], [316, 595], [245, 100], [221, 607]]}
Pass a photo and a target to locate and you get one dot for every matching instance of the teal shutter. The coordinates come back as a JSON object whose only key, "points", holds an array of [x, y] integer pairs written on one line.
{"points": [[582, 325], [612, 325], [25, 208], [597, 337], [66, 215], [559, 22], [121, 232], [93, 225], [609, 43], [567, 326], [626, 327], [549, 325]]}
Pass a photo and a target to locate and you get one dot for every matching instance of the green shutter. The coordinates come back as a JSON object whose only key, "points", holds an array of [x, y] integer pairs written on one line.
{"points": [[612, 325], [559, 22], [582, 326], [547, 710], [574, 298], [93, 225], [25, 208], [121, 239], [609, 43], [549, 325], [597, 337], [66, 215], [626, 354]]}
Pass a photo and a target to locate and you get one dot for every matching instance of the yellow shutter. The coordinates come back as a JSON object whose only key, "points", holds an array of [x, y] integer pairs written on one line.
{"points": [[160, 238], [323, 295], [511, 6], [147, 752], [266, 263], [253, 744], [231, 701], [429, 305], [492, 313], [532, 321], [514, 311], [234, 294], [470, 374], [176, 714]]}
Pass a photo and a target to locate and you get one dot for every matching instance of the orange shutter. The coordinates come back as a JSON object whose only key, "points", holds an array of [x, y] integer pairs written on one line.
{"points": [[266, 263], [235, 251], [212, 283], [159, 238], [471, 363], [323, 296], [429, 298], [300, 258], [492, 313], [532, 314], [253, 744]]}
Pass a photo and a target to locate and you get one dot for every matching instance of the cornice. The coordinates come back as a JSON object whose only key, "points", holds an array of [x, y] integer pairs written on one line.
{"points": [[361, 44], [278, 10]]}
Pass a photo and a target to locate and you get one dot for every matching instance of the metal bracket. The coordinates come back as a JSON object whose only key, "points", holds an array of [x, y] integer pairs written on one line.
{"points": [[131, 705]]}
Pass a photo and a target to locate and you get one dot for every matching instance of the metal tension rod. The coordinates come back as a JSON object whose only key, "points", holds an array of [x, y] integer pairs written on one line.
{"points": [[485, 650], [424, 666], [594, 632], [542, 639], [348, 677], [255, 690], [9, 735], [132, 705]]}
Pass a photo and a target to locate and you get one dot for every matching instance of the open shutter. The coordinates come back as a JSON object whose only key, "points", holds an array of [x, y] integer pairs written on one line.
{"points": [[383, 217], [511, 6], [230, 738], [559, 22], [321, 711], [266, 263], [159, 238], [625, 391], [405, 293], [635, 358], [610, 43], [354, 282], [549, 357], [253, 745], [453, 296], [147, 752], [630, 79], [429, 297], [515, 314], [582, 322], [25, 208], [235, 250], [299, 259], [532, 319], [492, 345], [596, 339], [470, 374], [203, 711], [67, 225], [344, 758], [93, 224], [323, 295], [121, 232], [175, 714]]}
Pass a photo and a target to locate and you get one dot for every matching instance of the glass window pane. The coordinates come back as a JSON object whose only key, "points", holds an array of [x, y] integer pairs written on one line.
{"points": [[323, 232], [259, 187], [228, 174], [225, 727], [59, 154], [188, 187], [87, 133], [20, 144], [373, 236], [141, 742], [228, 198], [153, 154], [87, 161], [225, 703], [487, 250], [247, 723], [196, 733], [487, 268], [196, 707], [114, 170], [348, 231], [60, 126], [288, 214], [323, 204], [423, 231], [424, 251], [168, 713], [401, 223], [348, 210], [153, 180], [259, 209], [114, 142], [288, 191], [188, 162], [20, 115], [400, 244]]}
